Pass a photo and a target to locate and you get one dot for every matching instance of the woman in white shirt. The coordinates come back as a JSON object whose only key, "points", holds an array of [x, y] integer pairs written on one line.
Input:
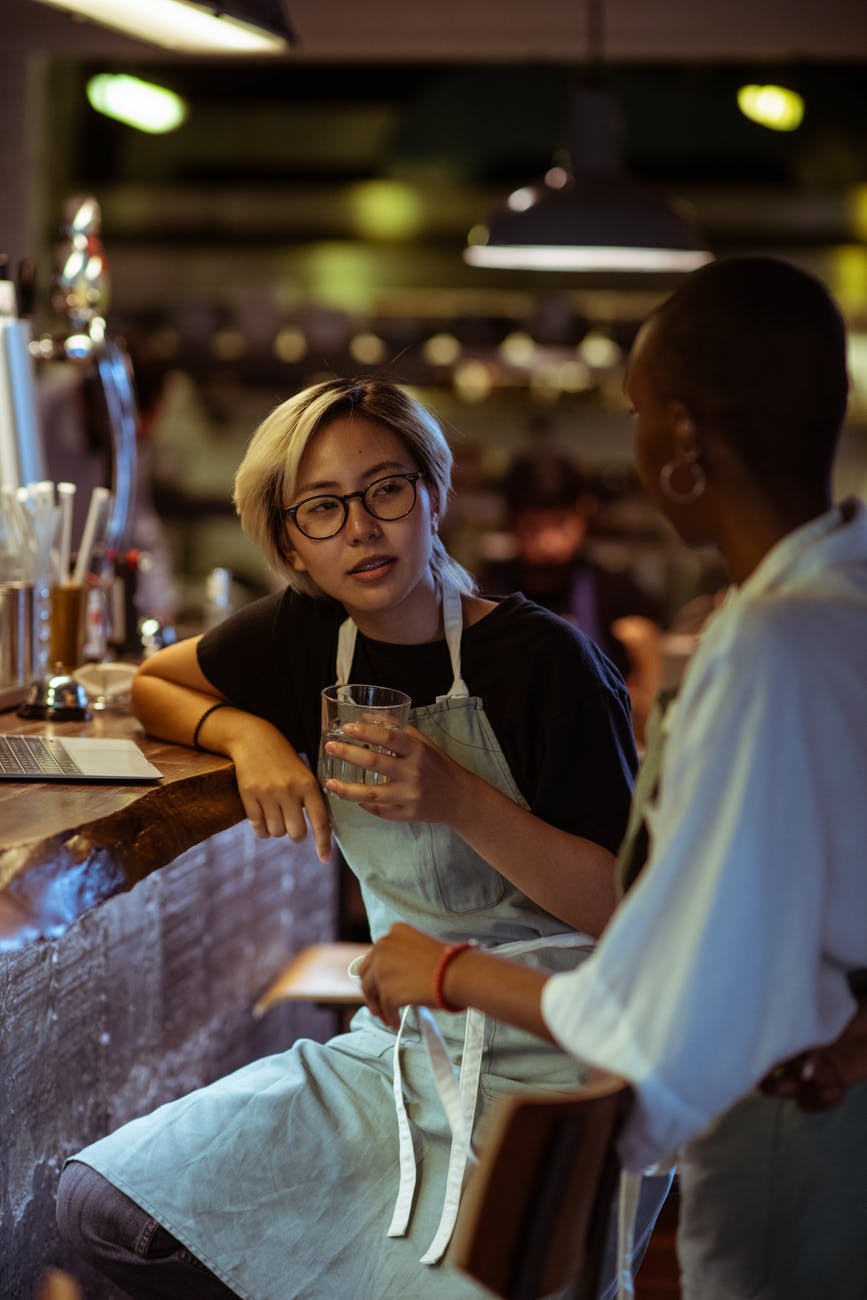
{"points": [[744, 941]]}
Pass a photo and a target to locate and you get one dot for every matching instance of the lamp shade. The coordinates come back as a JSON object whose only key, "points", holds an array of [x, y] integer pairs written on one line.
{"points": [[231, 27], [588, 215]]}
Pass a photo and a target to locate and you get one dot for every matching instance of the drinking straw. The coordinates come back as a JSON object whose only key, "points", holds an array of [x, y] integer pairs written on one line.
{"points": [[66, 493], [44, 516], [16, 522], [98, 498], [19, 510]]}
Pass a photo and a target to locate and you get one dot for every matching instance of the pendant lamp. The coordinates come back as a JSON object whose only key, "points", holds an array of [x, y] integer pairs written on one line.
{"points": [[586, 214], [230, 27]]}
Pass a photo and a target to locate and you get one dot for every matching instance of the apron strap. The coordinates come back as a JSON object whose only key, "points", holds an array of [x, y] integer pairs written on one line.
{"points": [[446, 1076], [453, 622], [458, 1093], [627, 1208], [345, 650], [459, 1102], [406, 1155]]}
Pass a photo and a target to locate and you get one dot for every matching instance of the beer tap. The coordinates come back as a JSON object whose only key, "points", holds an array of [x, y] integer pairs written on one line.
{"points": [[81, 293]]}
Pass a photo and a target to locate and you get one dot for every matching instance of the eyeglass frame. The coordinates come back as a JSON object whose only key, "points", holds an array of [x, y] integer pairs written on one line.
{"points": [[412, 477]]}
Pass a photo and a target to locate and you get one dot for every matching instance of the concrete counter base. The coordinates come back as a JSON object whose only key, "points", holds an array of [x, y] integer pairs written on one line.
{"points": [[142, 999]]}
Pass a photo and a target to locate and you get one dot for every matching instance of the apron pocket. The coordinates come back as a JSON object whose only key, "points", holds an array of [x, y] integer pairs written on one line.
{"points": [[466, 883], [515, 1062]]}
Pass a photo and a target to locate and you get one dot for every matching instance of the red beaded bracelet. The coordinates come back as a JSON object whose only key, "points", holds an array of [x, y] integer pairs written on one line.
{"points": [[440, 1001]]}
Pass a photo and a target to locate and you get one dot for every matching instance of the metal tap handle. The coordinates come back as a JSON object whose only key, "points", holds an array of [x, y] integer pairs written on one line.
{"points": [[116, 380]]}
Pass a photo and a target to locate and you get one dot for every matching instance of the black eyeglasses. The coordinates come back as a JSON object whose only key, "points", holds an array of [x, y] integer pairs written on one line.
{"points": [[387, 499]]}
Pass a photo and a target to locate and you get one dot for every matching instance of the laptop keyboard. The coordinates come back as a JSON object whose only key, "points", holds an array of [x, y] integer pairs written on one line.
{"points": [[35, 756]]}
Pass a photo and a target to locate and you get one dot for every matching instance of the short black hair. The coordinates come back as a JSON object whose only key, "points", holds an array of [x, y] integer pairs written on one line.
{"points": [[756, 348], [542, 481]]}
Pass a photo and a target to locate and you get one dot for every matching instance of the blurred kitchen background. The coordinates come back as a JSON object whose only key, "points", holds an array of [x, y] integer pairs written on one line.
{"points": [[308, 216]]}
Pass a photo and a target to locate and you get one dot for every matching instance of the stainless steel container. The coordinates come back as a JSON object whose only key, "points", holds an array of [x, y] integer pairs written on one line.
{"points": [[16, 634]]}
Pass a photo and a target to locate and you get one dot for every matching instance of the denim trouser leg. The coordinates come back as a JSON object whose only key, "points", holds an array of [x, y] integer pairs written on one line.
{"points": [[121, 1240]]}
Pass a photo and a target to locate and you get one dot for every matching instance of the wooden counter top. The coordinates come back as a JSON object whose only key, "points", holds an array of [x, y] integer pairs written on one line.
{"points": [[65, 846]]}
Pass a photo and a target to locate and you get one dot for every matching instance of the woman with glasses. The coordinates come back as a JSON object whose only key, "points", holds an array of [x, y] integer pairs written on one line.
{"points": [[332, 1170]]}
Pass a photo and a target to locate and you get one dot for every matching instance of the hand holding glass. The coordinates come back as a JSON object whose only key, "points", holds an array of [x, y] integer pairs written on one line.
{"points": [[372, 705]]}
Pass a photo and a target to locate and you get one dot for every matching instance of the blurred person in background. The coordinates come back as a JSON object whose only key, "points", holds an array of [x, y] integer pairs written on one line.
{"points": [[550, 510]]}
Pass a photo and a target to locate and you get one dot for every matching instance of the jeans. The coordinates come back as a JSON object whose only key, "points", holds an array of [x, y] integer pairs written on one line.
{"points": [[122, 1241]]}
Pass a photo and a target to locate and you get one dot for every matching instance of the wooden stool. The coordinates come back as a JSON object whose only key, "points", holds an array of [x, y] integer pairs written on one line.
{"points": [[320, 974], [57, 1285], [532, 1220]]}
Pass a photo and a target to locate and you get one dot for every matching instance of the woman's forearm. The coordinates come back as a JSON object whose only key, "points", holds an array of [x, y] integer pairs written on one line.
{"points": [[176, 711], [571, 877], [171, 711], [503, 989], [402, 968], [170, 693], [174, 700], [171, 696]]}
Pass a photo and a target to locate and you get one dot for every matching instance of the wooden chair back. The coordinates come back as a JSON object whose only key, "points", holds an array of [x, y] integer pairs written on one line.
{"points": [[534, 1214], [55, 1284]]}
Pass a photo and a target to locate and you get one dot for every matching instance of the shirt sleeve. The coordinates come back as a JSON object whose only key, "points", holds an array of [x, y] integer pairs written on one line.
{"points": [[587, 762], [714, 968], [237, 656], [561, 713]]}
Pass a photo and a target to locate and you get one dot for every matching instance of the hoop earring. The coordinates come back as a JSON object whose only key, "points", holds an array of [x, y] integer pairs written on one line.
{"points": [[688, 460]]}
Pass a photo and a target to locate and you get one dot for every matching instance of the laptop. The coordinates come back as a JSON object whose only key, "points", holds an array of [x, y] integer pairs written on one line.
{"points": [[73, 758]]}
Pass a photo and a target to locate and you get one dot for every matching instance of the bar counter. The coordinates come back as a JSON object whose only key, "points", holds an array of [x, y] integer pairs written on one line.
{"points": [[139, 925], [66, 846]]}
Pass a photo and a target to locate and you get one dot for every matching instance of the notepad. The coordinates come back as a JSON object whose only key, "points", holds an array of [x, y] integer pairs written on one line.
{"points": [[73, 758]]}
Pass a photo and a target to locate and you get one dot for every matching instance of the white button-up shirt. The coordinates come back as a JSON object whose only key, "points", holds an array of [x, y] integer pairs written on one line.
{"points": [[732, 950]]}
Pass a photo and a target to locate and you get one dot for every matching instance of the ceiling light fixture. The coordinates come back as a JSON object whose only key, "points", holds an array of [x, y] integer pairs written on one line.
{"points": [[587, 214], [776, 107], [221, 27], [136, 103]]}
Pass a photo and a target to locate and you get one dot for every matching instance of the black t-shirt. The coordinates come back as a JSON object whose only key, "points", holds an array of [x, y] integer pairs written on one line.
{"points": [[558, 708], [612, 595]]}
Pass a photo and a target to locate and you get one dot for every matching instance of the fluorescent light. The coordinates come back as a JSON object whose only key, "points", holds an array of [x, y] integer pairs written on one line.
{"points": [[179, 25], [775, 107], [137, 103], [551, 257]]}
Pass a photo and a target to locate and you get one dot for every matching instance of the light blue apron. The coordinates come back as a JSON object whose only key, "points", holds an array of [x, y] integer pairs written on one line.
{"points": [[287, 1177], [432, 879]]}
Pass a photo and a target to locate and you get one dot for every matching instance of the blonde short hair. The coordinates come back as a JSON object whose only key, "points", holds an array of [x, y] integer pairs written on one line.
{"points": [[266, 477]]}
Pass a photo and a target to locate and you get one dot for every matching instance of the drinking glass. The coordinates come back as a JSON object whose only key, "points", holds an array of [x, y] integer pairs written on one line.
{"points": [[66, 642], [378, 706]]}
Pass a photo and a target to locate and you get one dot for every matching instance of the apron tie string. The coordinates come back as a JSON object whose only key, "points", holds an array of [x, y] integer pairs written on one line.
{"points": [[458, 1092], [461, 1105], [406, 1154], [627, 1208]]}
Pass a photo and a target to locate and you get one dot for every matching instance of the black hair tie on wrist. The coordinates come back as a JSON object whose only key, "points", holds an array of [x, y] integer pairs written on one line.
{"points": [[207, 713]]}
